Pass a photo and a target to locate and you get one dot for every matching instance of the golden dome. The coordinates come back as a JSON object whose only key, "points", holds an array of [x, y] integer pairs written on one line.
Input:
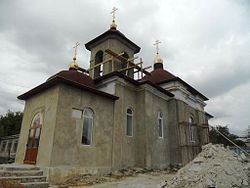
{"points": [[73, 64], [158, 59]]}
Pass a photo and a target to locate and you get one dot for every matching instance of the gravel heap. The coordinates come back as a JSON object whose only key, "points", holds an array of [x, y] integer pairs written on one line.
{"points": [[215, 166]]}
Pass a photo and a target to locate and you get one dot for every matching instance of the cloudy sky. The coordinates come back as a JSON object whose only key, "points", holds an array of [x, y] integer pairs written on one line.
{"points": [[206, 43]]}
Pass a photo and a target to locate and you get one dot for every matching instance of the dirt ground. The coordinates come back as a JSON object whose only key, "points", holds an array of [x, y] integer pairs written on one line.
{"points": [[138, 180]]}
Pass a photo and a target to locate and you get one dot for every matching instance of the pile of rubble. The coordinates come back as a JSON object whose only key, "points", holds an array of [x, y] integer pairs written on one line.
{"points": [[119, 175], [88, 179], [215, 166]]}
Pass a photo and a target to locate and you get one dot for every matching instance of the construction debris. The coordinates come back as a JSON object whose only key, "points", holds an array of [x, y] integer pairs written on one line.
{"points": [[10, 184], [214, 167], [88, 179]]}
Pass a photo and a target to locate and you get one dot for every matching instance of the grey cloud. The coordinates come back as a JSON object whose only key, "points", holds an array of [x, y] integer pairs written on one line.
{"points": [[221, 82], [9, 101], [204, 42], [45, 34]]}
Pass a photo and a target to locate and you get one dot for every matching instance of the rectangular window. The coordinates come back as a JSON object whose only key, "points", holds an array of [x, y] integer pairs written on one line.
{"points": [[192, 129], [14, 147], [37, 133], [129, 126], [77, 113], [87, 131], [9, 146], [160, 128], [160, 125], [87, 126], [29, 144], [192, 133], [3, 146]]}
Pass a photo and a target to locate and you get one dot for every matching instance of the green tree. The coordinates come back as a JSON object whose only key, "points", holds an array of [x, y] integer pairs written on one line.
{"points": [[10, 123], [217, 138]]}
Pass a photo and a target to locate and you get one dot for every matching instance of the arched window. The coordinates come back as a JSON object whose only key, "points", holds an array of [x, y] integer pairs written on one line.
{"points": [[98, 71], [160, 125], [192, 129], [129, 128], [87, 126]]}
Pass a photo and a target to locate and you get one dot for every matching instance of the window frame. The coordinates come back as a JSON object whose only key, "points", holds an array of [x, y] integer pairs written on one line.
{"points": [[191, 129], [98, 71], [131, 115], [14, 147], [92, 126], [160, 124]]}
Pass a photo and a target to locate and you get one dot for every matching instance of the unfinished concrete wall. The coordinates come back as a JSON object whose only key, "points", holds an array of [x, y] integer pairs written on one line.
{"points": [[157, 148], [125, 146], [46, 103], [141, 141], [144, 148], [174, 133], [189, 148], [68, 149]]}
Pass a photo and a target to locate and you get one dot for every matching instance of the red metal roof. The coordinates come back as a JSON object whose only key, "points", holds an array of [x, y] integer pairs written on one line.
{"points": [[75, 76], [71, 78], [158, 76], [161, 76]]}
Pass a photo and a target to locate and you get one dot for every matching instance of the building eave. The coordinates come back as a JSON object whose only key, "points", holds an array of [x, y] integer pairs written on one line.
{"points": [[209, 115], [58, 79], [189, 88], [137, 83], [109, 34]]}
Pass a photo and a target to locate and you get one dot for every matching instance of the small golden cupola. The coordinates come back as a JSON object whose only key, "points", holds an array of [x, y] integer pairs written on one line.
{"points": [[113, 24], [158, 75], [158, 62], [73, 65]]}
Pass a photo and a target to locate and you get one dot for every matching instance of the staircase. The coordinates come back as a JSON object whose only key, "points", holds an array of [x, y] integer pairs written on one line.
{"points": [[28, 176]]}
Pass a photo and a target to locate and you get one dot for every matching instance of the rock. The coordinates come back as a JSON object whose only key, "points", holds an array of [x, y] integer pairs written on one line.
{"points": [[244, 182], [195, 168], [198, 160], [209, 183]]}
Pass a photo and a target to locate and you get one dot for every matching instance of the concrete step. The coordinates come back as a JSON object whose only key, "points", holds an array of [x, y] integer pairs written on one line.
{"points": [[25, 179], [15, 167], [35, 185], [29, 176], [5, 173]]}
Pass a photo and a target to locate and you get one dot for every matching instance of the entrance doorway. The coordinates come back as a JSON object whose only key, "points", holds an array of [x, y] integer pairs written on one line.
{"points": [[33, 139]]}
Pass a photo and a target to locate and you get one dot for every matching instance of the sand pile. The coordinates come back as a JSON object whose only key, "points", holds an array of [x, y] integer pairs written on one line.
{"points": [[215, 166]]}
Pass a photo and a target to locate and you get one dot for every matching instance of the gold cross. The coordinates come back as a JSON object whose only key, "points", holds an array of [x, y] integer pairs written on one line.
{"points": [[75, 52], [113, 13], [157, 42]]}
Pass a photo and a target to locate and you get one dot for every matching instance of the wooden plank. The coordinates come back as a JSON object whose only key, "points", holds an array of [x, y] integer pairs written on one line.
{"points": [[125, 69], [82, 69], [99, 64], [124, 59], [105, 61]]}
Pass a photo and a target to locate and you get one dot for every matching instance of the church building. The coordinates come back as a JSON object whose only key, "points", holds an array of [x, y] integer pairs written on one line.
{"points": [[113, 115]]}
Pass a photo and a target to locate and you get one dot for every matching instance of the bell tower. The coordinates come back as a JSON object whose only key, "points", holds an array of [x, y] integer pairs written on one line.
{"points": [[111, 51]]}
